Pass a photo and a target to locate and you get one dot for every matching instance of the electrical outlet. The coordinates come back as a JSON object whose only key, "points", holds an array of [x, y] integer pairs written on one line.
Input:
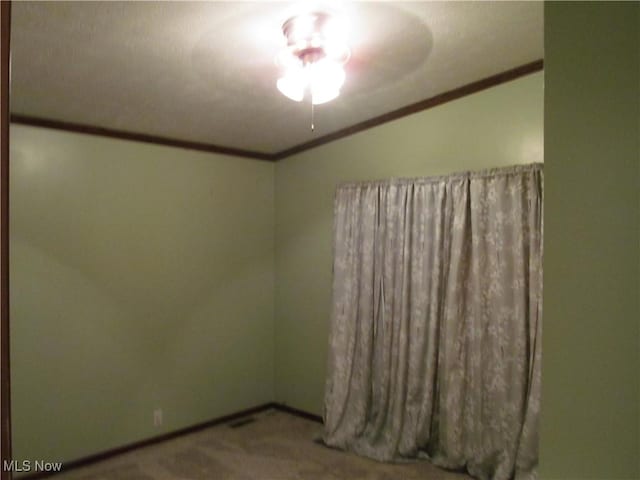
{"points": [[157, 417]]}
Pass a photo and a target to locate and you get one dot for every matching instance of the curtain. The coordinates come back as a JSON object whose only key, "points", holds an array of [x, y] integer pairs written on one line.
{"points": [[434, 345]]}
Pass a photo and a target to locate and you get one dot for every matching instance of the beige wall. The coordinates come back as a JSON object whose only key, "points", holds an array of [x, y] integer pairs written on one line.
{"points": [[497, 127], [141, 278]]}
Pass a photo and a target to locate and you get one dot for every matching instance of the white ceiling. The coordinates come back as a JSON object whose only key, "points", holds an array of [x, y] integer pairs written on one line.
{"points": [[205, 71]]}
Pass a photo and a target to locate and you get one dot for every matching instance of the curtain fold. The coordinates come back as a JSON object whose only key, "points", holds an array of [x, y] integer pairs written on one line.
{"points": [[434, 348]]}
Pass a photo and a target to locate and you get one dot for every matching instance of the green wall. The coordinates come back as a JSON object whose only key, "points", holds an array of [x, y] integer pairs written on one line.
{"points": [[141, 277], [497, 127], [590, 409], [132, 265], [141, 259]]}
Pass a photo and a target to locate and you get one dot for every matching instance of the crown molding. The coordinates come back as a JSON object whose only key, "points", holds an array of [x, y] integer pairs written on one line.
{"points": [[136, 136], [420, 106], [445, 97]]}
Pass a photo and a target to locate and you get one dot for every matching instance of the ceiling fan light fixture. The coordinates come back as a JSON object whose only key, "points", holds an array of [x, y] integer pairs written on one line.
{"points": [[291, 85], [325, 80], [314, 57]]}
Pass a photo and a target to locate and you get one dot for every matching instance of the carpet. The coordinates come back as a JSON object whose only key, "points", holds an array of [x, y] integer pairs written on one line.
{"points": [[270, 445]]}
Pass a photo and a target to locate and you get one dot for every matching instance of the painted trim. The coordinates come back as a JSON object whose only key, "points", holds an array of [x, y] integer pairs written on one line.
{"points": [[136, 137], [5, 386], [107, 454], [445, 97], [299, 413]]}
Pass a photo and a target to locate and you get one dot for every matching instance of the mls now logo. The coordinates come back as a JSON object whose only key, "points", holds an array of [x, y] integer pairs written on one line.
{"points": [[29, 466]]}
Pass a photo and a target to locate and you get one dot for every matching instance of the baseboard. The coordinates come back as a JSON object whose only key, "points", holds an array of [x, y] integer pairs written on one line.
{"points": [[98, 457], [300, 413]]}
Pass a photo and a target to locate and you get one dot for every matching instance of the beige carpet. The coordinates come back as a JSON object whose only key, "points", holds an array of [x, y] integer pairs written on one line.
{"points": [[275, 446]]}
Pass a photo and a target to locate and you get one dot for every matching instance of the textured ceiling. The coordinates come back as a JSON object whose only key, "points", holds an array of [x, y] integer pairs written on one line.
{"points": [[205, 71]]}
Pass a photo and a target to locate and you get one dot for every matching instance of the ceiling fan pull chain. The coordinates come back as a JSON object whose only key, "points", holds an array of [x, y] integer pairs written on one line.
{"points": [[313, 127]]}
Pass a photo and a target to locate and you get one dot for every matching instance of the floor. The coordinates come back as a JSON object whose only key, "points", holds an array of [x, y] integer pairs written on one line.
{"points": [[274, 446]]}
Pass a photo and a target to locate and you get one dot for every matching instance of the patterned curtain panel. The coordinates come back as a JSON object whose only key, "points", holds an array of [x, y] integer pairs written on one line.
{"points": [[434, 348]]}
